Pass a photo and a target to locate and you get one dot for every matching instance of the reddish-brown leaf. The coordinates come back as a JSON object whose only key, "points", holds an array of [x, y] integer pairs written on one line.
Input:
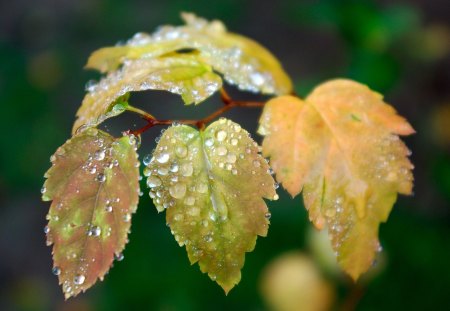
{"points": [[93, 185]]}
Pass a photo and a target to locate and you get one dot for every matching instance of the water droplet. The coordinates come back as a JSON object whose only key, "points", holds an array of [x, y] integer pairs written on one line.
{"points": [[163, 170], [153, 181], [256, 163], [231, 158], [234, 171], [202, 188], [208, 238], [99, 155], [163, 157], [221, 150], [100, 177], [173, 168], [127, 217], [178, 217], [234, 141], [90, 86], [331, 212], [186, 169], [56, 271], [209, 142], [268, 215], [177, 191], [147, 159], [94, 231], [189, 201], [79, 279], [46, 229], [108, 208], [194, 211], [221, 135], [43, 190], [118, 256], [93, 170], [181, 151], [276, 197]]}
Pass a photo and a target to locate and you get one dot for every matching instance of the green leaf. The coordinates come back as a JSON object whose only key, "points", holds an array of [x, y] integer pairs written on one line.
{"points": [[341, 148], [242, 61], [183, 74], [93, 185], [212, 184]]}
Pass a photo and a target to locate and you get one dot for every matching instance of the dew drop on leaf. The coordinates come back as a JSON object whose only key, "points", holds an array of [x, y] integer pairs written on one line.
{"points": [[186, 169], [118, 256], [94, 231], [146, 160], [181, 151], [99, 155], [100, 177], [178, 190], [79, 279], [209, 142], [153, 181], [221, 135], [56, 271], [163, 157]]}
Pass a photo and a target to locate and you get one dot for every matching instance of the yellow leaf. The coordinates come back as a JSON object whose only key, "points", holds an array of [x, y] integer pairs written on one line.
{"points": [[212, 184], [242, 61], [182, 74], [341, 148]]}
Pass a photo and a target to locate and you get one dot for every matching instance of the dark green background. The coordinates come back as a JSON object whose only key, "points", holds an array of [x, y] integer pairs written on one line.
{"points": [[400, 49]]}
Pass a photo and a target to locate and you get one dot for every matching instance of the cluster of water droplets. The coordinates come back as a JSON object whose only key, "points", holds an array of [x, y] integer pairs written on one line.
{"points": [[244, 71], [154, 75], [391, 163], [171, 168]]}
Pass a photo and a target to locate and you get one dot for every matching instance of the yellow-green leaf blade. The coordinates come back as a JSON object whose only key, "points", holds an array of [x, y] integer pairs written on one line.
{"points": [[344, 153], [93, 185], [212, 184], [242, 61], [181, 74]]}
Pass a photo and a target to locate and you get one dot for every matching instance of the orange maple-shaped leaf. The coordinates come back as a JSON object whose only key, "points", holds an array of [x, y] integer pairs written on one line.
{"points": [[340, 147], [93, 183]]}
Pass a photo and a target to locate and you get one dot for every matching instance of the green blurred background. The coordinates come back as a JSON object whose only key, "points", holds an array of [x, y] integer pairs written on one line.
{"points": [[400, 49]]}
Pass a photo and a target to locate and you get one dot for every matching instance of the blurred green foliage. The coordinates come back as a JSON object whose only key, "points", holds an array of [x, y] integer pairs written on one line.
{"points": [[400, 50]]}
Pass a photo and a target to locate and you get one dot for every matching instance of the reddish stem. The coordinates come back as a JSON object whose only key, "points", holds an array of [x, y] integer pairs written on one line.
{"points": [[228, 102]]}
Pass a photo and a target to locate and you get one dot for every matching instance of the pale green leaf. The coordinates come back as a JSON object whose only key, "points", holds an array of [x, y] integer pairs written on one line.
{"points": [[242, 61], [212, 184], [183, 74], [93, 185], [341, 147]]}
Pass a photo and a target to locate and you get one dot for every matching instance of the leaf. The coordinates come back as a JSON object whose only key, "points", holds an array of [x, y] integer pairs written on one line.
{"points": [[93, 185], [212, 184], [341, 147], [181, 74], [242, 61]]}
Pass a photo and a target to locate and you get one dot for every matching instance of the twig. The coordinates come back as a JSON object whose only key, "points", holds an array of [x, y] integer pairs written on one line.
{"points": [[228, 102]]}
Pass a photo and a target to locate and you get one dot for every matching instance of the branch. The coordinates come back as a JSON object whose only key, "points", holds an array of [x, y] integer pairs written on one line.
{"points": [[228, 102]]}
